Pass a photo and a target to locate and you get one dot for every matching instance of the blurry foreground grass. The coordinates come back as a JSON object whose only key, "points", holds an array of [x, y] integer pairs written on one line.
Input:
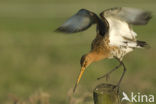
{"points": [[37, 98], [33, 57]]}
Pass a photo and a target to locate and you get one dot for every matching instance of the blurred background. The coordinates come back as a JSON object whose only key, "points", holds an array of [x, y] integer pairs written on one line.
{"points": [[36, 62]]}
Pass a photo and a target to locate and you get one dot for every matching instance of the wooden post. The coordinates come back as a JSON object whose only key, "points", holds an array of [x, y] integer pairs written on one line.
{"points": [[106, 94]]}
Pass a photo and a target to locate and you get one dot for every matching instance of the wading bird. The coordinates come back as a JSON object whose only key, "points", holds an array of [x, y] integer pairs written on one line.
{"points": [[114, 35]]}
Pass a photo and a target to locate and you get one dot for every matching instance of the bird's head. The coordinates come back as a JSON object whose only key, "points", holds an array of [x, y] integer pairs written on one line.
{"points": [[85, 61]]}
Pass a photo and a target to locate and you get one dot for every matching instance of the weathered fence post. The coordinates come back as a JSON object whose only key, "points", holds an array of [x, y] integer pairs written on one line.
{"points": [[106, 94]]}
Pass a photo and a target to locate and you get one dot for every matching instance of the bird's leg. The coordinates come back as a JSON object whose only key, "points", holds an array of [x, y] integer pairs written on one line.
{"points": [[108, 74], [118, 84]]}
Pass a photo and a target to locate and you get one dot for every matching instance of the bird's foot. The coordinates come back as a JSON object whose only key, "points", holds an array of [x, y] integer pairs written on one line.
{"points": [[107, 76], [116, 88]]}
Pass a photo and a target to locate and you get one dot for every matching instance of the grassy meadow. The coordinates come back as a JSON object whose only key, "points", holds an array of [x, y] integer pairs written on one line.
{"points": [[37, 63]]}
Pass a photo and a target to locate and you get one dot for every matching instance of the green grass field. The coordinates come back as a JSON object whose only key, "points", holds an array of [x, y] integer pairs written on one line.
{"points": [[33, 58]]}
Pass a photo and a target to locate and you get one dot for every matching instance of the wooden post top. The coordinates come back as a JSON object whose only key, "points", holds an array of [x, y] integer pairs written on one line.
{"points": [[106, 94]]}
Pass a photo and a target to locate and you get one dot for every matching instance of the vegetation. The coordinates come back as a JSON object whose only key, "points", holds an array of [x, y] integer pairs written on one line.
{"points": [[34, 58]]}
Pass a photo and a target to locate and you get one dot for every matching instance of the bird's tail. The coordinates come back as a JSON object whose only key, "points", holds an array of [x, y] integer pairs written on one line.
{"points": [[143, 44]]}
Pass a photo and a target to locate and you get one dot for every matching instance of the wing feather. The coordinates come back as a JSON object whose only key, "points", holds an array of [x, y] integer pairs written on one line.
{"points": [[130, 15], [82, 20]]}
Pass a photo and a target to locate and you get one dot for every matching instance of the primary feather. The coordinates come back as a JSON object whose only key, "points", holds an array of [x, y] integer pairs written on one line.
{"points": [[130, 15], [82, 20]]}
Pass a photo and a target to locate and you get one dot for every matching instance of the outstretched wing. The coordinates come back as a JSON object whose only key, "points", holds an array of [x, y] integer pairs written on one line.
{"points": [[130, 15], [82, 20]]}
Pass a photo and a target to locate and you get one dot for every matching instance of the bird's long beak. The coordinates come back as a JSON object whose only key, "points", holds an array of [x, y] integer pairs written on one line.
{"points": [[79, 77]]}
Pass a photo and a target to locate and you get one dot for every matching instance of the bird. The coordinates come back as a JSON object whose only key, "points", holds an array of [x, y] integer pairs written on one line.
{"points": [[115, 36]]}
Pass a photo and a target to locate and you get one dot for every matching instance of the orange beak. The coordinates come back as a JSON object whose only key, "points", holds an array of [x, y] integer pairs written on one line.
{"points": [[79, 77]]}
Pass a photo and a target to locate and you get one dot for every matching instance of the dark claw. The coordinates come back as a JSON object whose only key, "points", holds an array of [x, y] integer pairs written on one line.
{"points": [[117, 88]]}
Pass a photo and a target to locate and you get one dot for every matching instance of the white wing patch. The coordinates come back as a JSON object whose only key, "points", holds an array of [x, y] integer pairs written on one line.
{"points": [[120, 34]]}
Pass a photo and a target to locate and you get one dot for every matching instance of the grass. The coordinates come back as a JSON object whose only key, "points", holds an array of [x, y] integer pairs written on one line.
{"points": [[34, 58]]}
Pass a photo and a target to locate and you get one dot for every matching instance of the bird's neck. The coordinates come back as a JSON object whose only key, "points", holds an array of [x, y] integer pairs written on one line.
{"points": [[94, 56]]}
